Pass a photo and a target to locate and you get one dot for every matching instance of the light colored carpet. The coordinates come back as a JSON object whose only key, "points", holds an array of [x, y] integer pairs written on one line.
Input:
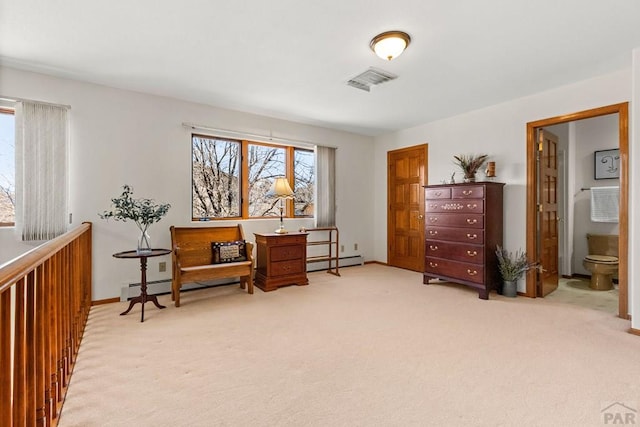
{"points": [[576, 291], [374, 347]]}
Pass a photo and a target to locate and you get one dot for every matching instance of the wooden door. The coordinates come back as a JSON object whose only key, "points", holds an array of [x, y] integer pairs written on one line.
{"points": [[405, 194], [547, 212]]}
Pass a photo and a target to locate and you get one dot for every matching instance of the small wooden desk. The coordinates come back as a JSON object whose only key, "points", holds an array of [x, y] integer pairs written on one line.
{"points": [[143, 297], [281, 260]]}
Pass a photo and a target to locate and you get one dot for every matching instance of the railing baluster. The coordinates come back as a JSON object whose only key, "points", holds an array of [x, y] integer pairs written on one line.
{"points": [[30, 350], [41, 419], [5, 358], [45, 298], [50, 384], [19, 344]]}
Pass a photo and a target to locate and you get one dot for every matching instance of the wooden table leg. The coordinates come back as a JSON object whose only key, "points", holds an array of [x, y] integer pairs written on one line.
{"points": [[143, 297]]}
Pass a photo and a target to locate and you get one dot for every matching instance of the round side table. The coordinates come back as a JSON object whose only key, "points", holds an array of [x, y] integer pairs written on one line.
{"points": [[143, 297]]}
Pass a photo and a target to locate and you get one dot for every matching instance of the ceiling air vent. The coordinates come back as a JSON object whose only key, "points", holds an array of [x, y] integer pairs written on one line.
{"points": [[371, 77]]}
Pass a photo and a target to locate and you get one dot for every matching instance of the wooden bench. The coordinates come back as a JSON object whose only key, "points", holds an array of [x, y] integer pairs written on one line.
{"points": [[192, 257]]}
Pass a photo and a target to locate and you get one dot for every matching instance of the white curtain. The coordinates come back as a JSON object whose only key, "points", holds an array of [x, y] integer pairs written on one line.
{"points": [[42, 135], [325, 186]]}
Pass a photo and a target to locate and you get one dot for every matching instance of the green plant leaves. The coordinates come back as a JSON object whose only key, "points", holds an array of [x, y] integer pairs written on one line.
{"points": [[141, 211]]}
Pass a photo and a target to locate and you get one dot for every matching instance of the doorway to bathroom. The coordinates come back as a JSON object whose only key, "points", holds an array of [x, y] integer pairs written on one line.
{"points": [[538, 212]]}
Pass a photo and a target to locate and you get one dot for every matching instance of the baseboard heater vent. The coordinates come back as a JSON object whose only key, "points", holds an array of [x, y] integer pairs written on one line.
{"points": [[344, 262], [159, 287]]}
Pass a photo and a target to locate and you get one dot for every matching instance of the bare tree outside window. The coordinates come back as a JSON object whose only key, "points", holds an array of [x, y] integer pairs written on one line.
{"points": [[231, 178], [304, 182], [216, 177], [7, 168], [265, 164]]}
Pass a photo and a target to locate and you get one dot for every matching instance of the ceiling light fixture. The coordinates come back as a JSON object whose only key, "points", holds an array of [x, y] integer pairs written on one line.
{"points": [[390, 44]]}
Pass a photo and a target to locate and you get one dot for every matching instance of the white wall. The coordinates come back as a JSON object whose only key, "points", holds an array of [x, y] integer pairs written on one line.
{"points": [[598, 133], [10, 247], [121, 137], [499, 131]]}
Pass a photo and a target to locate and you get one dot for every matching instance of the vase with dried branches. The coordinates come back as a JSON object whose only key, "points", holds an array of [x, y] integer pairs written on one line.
{"points": [[470, 164], [512, 267]]}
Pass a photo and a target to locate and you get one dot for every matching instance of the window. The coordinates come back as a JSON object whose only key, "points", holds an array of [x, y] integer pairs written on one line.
{"points": [[215, 178], [304, 183], [266, 162], [7, 168], [230, 178]]}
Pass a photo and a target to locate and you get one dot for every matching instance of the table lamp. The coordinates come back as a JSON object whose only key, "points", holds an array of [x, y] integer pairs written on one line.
{"points": [[282, 190]]}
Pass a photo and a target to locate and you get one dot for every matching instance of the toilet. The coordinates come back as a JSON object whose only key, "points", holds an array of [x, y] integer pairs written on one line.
{"points": [[602, 261]]}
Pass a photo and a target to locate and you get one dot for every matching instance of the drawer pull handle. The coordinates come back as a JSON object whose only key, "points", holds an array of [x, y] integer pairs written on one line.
{"points": [[433, 264], [472, 272], [433, 206], [438, 193], [467, 192], [472, 236], [472, 206], [433, 247], [432, 232], [472, 253], [433, 219], [472, 221]]}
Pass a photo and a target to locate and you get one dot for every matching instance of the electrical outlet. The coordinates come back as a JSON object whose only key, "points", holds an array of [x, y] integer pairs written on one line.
{"points": [[341, 248], [162, 266], [355, 246]]}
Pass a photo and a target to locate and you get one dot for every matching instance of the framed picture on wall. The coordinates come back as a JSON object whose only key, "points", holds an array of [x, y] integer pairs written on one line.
{"points": [[606, 164]]}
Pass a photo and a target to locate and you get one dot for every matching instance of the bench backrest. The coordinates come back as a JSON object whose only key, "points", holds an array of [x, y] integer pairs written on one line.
{"points": [[193, 244]]}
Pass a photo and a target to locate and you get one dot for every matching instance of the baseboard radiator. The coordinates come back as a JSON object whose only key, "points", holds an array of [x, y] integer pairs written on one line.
{"points": [[159, 287]]}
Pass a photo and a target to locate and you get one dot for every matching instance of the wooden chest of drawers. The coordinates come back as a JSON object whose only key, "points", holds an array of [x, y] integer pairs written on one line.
{"points": [[463, 226], [281, 260]]}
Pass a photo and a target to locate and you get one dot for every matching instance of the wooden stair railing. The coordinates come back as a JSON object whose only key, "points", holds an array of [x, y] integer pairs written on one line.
{"points": [[45, 297]]}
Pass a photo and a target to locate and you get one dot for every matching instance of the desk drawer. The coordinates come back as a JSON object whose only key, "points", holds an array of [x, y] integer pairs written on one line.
{"points": [[464, 235], [467, 192], [458, 270], [438, 193], [456, 220], [282, 253], [455, 205], [455, 251], [284, 268]]}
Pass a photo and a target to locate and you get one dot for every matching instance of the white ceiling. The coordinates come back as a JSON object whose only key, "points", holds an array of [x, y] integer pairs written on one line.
{"points": [[291, 59]]}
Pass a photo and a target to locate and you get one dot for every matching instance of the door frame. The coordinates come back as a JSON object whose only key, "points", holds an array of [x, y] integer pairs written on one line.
{"points": [[622, 110]]}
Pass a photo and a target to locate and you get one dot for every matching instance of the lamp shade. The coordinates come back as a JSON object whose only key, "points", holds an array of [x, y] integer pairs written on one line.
{"points": [[390, 45], [280, 188]]}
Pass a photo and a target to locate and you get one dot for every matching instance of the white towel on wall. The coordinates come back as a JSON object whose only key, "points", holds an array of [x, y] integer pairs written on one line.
{"points": [[605, 202]]}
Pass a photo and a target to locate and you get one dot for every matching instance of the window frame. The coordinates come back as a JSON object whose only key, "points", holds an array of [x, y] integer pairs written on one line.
{"points": [[9, 111], [244, 207], [291, 202], [240, 176], [289, 150]]}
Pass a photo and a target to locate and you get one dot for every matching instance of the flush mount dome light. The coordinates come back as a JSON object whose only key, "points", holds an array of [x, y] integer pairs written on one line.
{"points": [[390, 44]]}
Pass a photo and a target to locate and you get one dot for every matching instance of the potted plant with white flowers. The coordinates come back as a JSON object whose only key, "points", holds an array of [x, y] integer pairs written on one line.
{"points": [[143, 212]]}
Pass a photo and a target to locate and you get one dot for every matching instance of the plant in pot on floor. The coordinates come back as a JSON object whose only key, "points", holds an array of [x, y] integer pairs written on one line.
{"points": [[143, 212], [512, 267]]}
